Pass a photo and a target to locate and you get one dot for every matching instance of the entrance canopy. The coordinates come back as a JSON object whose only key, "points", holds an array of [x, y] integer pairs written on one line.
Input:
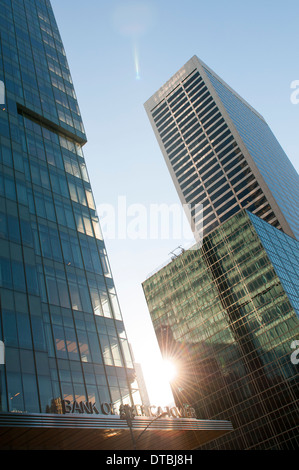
{"points": [[99, 432]]}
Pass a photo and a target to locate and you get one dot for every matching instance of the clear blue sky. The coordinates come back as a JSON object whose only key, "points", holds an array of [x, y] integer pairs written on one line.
{"points": [[252, 45]]}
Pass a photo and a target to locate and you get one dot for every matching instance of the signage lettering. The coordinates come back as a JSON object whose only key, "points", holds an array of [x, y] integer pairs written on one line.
{"points": [[107, 408], [90, 408]]}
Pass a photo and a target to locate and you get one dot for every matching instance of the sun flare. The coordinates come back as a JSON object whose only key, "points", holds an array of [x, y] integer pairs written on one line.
{"points": [[169, 370], [159, 375]]}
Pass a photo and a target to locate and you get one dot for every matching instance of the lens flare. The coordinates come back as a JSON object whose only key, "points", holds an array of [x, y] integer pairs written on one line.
{"points": [[169, 370], [136, 62], [133, 19]]}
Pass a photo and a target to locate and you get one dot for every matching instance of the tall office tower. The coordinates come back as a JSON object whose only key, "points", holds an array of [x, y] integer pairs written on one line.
{"points": [[227, 314], [65, 341], [221, 153]]}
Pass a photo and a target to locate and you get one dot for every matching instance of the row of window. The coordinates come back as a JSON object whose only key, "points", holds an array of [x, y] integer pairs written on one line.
{"points": [[54, 50], [33, 384], [60, 211], [51, 179], [263, 147], [229, 164]]}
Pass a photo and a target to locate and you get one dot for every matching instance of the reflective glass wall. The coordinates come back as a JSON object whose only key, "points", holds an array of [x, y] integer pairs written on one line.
{"points": [[267, 153], [227, 317], [60, 319]]}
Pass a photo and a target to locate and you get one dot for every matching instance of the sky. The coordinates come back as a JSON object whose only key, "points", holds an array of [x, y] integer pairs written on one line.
{"points": [[120, 53]]}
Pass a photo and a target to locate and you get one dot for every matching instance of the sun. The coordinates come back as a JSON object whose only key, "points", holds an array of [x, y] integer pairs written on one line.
{"points": [[169, 369], [159, 374]]}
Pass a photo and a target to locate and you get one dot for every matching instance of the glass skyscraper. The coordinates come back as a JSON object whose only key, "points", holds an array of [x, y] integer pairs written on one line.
{"points": [[61, 324], [221, 153], [227, 314]]}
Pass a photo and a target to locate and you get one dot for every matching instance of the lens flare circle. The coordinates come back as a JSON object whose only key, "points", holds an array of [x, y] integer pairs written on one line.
{"points": [[133, 18]]}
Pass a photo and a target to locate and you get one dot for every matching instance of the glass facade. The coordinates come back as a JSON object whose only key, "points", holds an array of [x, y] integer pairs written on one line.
{"points": [[60, 319], [224, 167], [227, 314], [283, 253], [268, 155]]}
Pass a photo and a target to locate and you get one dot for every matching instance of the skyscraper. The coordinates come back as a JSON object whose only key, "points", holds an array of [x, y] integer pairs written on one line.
{"points": [[227, 314], [60, 320], [221, 153], [66, 350]]}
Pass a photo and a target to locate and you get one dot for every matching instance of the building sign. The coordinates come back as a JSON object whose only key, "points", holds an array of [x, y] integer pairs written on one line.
{"points": [[69, 407]]}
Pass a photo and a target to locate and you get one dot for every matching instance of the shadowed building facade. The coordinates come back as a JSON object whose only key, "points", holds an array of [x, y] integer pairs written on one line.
{"points": [[228, 315]]}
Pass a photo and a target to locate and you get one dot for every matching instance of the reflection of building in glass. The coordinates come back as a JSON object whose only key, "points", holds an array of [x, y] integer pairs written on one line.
{"points": [[221, 153], [228, 313], [60, 320]]}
